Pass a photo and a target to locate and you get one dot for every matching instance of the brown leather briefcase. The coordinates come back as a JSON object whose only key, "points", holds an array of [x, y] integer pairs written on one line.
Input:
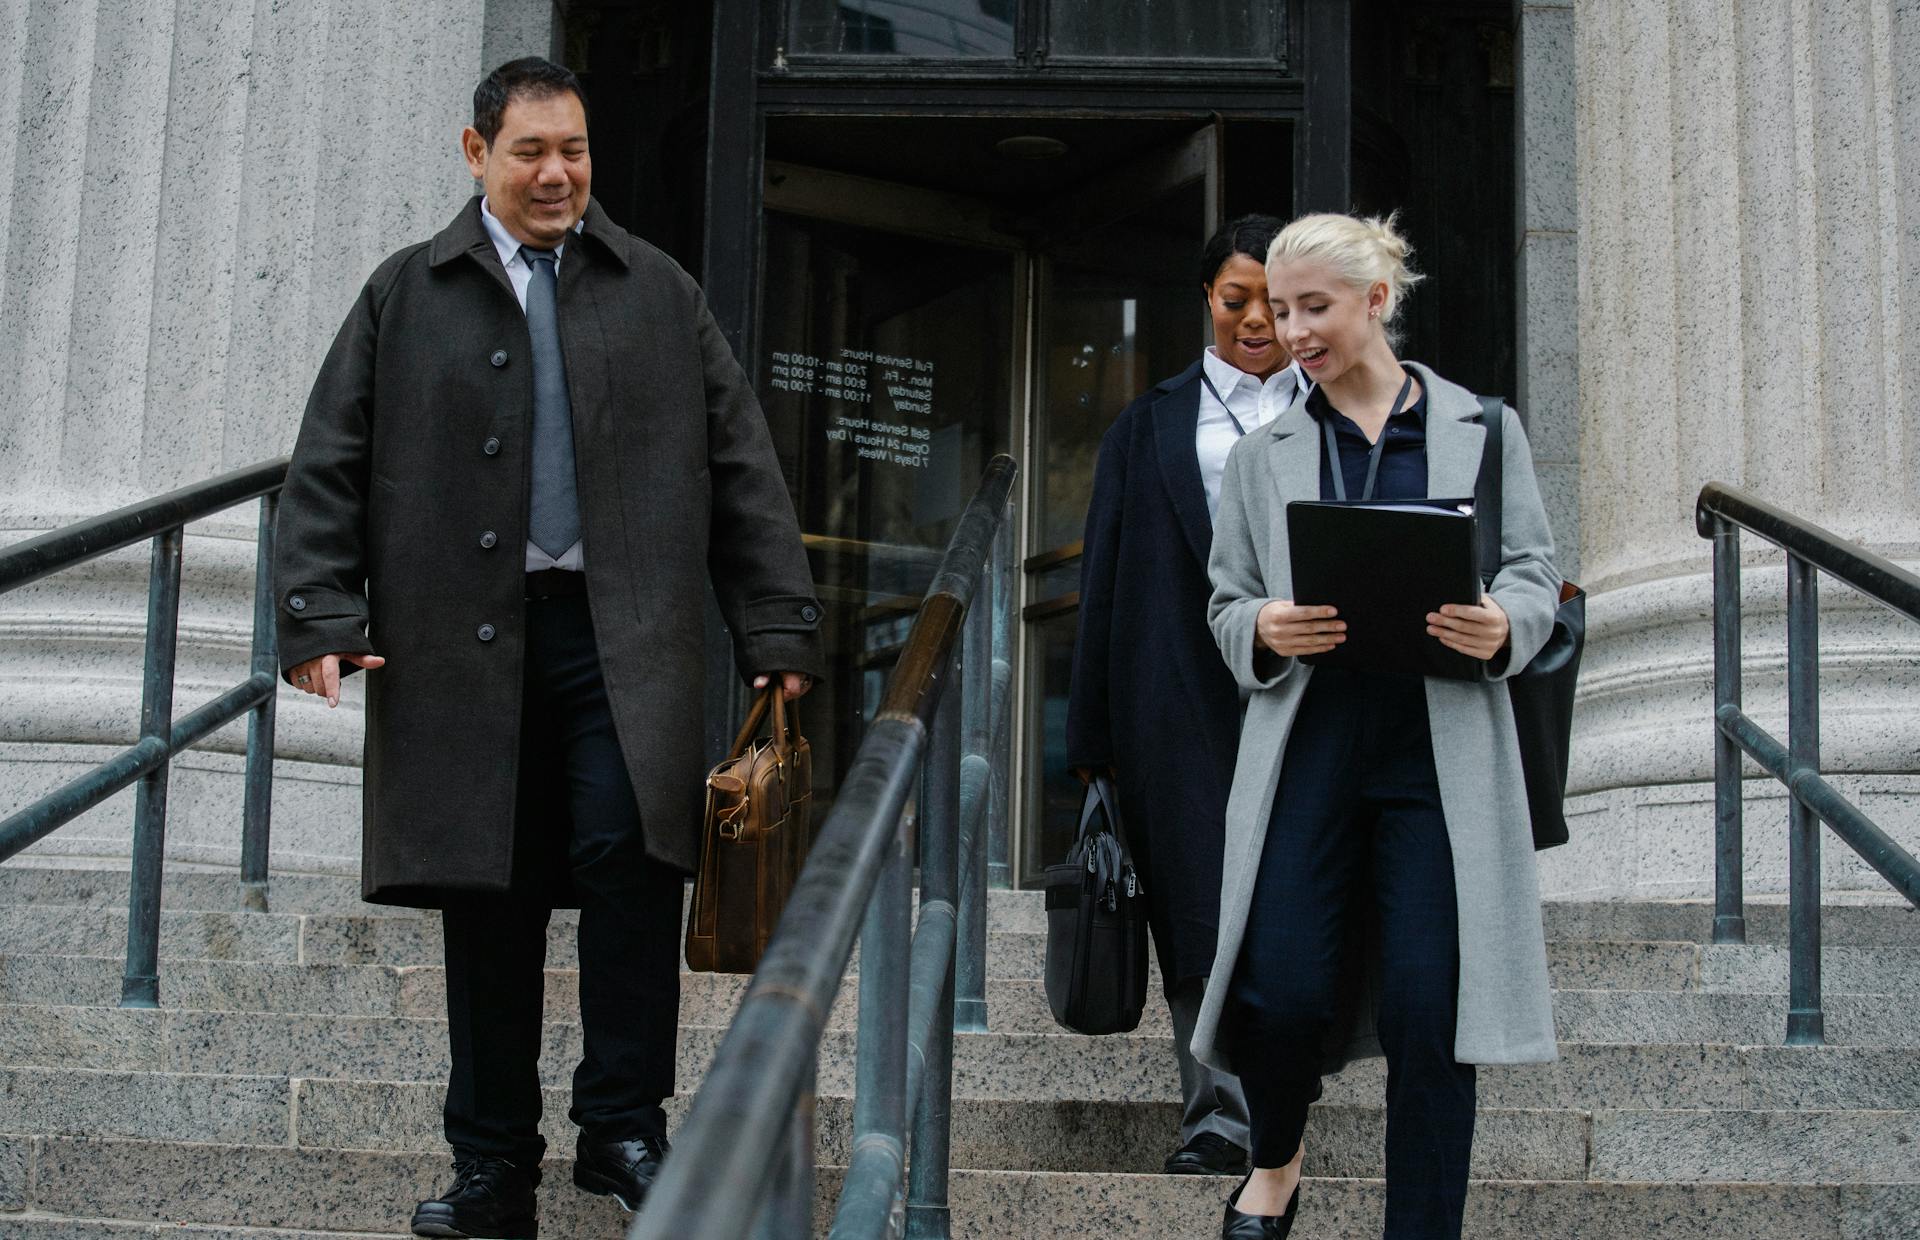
{"points": [[753, 842]]}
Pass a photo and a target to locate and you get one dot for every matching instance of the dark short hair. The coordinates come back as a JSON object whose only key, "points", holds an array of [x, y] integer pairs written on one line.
{"points": [[1249, 235], [530, 77]]}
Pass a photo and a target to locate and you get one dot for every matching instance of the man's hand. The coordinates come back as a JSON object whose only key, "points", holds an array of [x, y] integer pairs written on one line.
{"points": [[1480, 631], [322, 675], [795, 684], [1291, 631]]}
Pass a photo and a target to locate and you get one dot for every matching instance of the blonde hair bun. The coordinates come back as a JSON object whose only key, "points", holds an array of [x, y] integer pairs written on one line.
{"points": [[1361, 250]]}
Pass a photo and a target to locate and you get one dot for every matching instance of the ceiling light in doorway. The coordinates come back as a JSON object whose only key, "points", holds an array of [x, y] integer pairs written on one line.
{"points": [[1031, 146]]}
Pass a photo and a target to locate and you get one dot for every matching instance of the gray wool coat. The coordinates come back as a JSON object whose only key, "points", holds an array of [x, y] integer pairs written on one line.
{"points": [[1505, 1011]]}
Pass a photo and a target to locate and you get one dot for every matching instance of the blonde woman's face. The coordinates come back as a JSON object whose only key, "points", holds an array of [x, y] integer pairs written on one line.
{"points": [[1324, 321]]}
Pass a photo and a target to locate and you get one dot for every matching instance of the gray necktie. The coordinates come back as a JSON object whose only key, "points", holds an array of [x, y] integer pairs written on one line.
{"points": [[555, 523]]}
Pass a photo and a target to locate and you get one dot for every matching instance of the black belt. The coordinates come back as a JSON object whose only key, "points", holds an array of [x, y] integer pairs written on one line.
{"points": [[555, 583]]}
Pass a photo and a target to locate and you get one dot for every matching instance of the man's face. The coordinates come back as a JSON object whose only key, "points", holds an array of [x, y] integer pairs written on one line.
{"points": [[537, 173]]}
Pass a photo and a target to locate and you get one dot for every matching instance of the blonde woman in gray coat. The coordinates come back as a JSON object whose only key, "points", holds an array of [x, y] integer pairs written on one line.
{"points": [[1379, 892]]}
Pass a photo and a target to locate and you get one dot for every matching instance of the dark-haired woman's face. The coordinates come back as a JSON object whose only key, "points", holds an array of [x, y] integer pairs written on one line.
{"points": [[1242, 324]]}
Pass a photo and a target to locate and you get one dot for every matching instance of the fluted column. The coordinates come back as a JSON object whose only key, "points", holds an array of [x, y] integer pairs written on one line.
{"points": [[191, 194], [1749, 290]]}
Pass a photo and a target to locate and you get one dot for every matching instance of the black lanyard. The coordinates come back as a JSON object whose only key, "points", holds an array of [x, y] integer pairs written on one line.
{"points": [[1373, 457], [1208, 380]]}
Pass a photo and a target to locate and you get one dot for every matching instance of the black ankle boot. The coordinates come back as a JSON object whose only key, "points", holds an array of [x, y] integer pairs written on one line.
{"points": [[1237, 1226], [490, 1197]]}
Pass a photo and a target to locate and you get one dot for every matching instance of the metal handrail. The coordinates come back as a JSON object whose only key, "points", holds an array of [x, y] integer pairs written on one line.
{"points": [[162, 520], [1719, 515], [743, 1162]]}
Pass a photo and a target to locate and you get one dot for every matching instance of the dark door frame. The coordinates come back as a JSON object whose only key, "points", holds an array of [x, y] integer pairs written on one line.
{"points": [[1317, 102]]}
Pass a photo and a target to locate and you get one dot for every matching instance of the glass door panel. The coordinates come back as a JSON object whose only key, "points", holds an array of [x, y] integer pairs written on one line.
{"points": [[885, 373], [1119, 309]]}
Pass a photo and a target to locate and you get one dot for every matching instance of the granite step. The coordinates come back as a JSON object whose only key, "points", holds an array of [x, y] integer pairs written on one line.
{"points": [[349, 1192], [239, 960], [1014, 1005], [988, 1066], [38, 1226], [1345, 1139], [1849, 919]]}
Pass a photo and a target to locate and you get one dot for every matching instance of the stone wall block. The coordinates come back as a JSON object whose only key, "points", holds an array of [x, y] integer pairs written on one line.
{"points": [[1705, 352], [117, 262], [198, 207], [273, 346], [42, 246], [1850, 241], [1550, 347], [516, 28], [14, 54], [1548, 201], [1770, 268]]}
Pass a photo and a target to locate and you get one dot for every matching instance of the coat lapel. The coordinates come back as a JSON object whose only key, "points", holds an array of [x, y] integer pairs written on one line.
{"points": [[467, 237], [1176, 415], [1293, 462], [1454, 436]]}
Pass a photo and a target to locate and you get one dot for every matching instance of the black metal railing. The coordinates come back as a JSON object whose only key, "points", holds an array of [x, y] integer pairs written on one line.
{"points": [[1720, 514], [162, 520], [743, 1163]]}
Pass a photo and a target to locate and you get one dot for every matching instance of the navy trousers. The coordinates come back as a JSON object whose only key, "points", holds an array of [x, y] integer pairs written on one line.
{"points": [[1357, 862], [629, 925]]}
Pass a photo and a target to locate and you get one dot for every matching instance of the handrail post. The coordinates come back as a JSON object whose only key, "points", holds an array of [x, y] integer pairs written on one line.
{"points": [[1000, 761], [1729, 890], [1806, 1024], [880, 1060], [257, 815], [928, 1214], [140, 985], [970, 971]]}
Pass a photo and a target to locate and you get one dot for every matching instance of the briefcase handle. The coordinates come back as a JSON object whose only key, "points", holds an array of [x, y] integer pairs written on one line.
{"points": [[782, 741], [1101, 795]]}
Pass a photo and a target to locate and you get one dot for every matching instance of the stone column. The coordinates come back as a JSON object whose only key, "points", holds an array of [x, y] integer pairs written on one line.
{"points": [[1546, 243], [1749, 289], [194, 191]]}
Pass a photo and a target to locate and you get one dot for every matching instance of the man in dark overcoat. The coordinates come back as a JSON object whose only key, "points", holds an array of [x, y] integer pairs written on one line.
{"points": [[525, 456]]}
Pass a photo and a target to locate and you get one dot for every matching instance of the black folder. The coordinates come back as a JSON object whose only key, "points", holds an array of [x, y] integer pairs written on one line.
{"points": [[1385, 565]]}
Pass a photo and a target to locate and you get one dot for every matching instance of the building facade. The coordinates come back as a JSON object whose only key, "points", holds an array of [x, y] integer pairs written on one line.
{"points": [[943, 229]]}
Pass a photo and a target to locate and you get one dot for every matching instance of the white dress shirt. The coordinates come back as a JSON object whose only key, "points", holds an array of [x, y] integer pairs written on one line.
{"points": [[1254, 402], [520, 273]]}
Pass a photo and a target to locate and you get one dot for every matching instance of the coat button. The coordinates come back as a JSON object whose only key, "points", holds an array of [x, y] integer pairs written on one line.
{"points": [[809, 613], [491, 447], [499, 357], [487, 539], [297, 603], [485, 633]]}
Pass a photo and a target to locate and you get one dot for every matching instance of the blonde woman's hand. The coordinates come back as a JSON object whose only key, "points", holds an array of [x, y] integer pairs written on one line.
{"points": [[1290, 631], [1480, 631]]}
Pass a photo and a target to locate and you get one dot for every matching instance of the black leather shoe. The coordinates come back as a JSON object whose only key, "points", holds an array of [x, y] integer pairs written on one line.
{"points": [[623, 1170], [1208, 1154], [490, 1197], [1237, 1226]]}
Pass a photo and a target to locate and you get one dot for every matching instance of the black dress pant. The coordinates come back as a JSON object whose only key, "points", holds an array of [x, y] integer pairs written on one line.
{"points": [[1357, 854], [571, 770]]}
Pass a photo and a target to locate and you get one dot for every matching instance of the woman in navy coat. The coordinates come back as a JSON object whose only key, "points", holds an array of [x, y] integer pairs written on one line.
{"points": [[1151, 700]]}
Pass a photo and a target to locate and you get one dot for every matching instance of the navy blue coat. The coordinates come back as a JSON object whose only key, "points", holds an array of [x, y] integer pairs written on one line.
{"points": [[1151, 696]]}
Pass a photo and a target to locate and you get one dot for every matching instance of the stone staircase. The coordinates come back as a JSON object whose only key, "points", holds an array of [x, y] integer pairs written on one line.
{"points": [[291, 1086]]}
